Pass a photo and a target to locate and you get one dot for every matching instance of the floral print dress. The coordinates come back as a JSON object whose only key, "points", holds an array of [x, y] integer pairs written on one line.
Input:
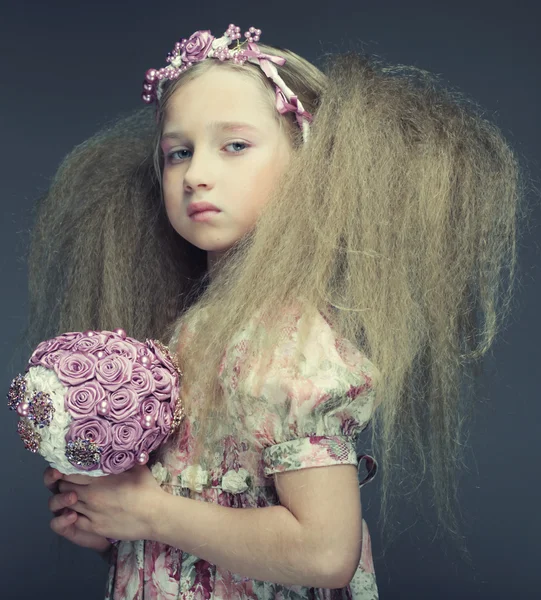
{"points": [[310, 419]]}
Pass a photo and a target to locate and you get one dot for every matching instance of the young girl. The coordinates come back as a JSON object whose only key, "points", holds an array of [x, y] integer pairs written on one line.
{"points": [[347, 273]]}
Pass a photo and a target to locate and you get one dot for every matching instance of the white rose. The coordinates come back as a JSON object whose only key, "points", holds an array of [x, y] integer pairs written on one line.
{"points": [[235, 482], [201, 477], [160, 472], [53, 437]]}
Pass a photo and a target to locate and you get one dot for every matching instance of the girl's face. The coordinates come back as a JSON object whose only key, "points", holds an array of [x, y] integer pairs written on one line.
{"points": [[206, 160]]}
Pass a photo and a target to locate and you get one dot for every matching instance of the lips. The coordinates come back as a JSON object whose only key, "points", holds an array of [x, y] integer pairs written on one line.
{"points": [[200, 207]]}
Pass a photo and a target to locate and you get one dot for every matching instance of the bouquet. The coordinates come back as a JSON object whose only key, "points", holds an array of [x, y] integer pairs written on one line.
{"points": [[97, 402]]}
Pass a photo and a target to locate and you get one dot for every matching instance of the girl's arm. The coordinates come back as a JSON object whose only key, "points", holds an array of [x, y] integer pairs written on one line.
{"points": [[266, 544]]}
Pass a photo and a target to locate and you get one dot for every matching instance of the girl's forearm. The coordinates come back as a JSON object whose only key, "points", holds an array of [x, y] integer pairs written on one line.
{"points": [[265, 544]]}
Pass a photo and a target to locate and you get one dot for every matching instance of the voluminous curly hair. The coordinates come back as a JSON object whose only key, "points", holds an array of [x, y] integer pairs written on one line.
{"points": [[406, 207]]}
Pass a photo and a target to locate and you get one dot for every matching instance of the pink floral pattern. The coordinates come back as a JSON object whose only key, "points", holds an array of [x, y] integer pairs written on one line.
{"points": [[306, 419]]}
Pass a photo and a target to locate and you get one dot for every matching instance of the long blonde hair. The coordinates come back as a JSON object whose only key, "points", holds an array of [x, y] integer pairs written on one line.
{"points": [[401, 214]]}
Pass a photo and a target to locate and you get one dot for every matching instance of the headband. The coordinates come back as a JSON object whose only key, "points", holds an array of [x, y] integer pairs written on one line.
{"points": [[202, 44]]}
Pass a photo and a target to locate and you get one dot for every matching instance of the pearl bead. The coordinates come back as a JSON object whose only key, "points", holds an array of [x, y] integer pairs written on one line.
{"points": [[23, 408], [100, 353], [150, 75], [119, 331], [103, 407], [89, 333], [142, 458], [147, 421]]}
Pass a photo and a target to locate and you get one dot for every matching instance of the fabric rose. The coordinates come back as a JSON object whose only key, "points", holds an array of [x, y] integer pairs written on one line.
{"points": [[67, 341], [161, 474], [197, 46], [64, 342], [81, 400], [150, 440], [113, 371], [117, 461], [125, 435], [74, 368], [150, 406], [50, 360], [163, 381], [157, 356], [201, 477], [235, 481], [43, 348], [165, 417], [122, 348], [142, 381], [145, 350], [86, 343], [91, 427], [123, 403]]}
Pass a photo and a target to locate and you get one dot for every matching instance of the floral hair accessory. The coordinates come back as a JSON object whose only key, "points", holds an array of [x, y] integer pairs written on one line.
{"points": [[202, 44]]}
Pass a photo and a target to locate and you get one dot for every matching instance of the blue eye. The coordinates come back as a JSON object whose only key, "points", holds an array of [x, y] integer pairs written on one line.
{"points": [[171, 155]]}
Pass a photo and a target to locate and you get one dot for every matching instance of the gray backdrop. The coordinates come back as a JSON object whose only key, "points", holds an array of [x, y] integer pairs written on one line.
{"points": [[69, 67]]}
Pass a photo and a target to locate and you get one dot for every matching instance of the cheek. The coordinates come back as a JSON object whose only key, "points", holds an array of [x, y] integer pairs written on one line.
{"points": [[170, 189]]}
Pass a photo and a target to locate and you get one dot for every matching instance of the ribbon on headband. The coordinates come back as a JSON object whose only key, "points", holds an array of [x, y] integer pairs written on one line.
{"points": [[283, 103]]}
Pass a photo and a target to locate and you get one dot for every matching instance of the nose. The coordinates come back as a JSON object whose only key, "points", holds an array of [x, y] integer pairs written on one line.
{"points": [[198, 173]]}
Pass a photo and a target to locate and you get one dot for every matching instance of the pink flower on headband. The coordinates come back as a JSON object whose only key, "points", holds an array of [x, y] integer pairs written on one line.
{"points": [[197, 47]]}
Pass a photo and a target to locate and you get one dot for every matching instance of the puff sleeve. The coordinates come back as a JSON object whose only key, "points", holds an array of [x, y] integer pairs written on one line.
{"points": [[309, 412]]}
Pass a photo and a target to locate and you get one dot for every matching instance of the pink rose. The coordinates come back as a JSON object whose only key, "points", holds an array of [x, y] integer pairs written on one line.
{"points": [[142, 380], [165, 418], [160, 359], [109, 336], [89, 344], [113, 371], [82, 400], [197, 46], [151, 439], [123, 403], [67, 340], [144, 350], [96, 428], [150, 406], [114, 462], [44, 347], [122, 348], [126, 435], [60, 342], [50, 360], [75, 367], [163, 381]]}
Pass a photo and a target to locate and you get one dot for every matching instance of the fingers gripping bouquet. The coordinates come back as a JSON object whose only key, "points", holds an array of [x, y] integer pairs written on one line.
{"points": [[97, 402]]}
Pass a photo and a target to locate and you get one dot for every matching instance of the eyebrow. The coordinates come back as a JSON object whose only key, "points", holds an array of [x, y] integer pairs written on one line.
{"points": [[214, 126]]}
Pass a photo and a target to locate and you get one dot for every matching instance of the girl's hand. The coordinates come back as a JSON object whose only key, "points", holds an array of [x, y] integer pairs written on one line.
{"points": [[122, 507], [65, 521]]}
